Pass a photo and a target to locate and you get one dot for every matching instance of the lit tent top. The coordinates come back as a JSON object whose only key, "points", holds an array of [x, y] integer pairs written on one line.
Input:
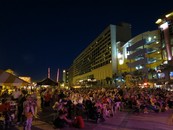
{"points": [[8, 79]]}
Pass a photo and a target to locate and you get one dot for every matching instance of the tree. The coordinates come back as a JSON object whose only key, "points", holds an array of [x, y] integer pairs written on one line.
{"points": [[137, 76], [152, 72], [124, 75], [108, 80]]}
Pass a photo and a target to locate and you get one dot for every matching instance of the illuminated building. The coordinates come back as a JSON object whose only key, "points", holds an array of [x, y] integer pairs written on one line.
{"points": [[151, 52], [113, 52], [166, 28], [65, 76], [143, 53], [165, 24], [100, 59]]}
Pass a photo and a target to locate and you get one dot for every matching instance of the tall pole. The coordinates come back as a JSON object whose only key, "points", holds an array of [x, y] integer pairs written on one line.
{"points": [[48, 73], [57, 78]]}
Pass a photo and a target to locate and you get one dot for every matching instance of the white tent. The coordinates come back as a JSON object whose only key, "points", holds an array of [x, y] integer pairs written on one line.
{"points": [[7, 79]]}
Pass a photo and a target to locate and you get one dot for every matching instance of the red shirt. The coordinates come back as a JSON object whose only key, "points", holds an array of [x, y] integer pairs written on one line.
{"points": [[79, 122]]}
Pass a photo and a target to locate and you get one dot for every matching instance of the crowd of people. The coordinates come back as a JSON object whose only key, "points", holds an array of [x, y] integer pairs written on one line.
{"points": [[18, 108], [70, 107], [101, 103]]}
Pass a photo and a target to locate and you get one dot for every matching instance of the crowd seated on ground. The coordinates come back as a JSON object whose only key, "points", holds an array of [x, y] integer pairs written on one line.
{"points": [[97, 104]]}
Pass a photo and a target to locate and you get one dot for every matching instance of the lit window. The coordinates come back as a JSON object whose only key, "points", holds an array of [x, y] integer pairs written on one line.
{"points": [[149, 39], [119, 55], [121, 62]]}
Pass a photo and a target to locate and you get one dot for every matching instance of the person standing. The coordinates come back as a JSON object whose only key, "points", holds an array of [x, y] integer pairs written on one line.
{"points": [[35, 102], [21, 100], [47, 98], [16, 94], [28, 111]]}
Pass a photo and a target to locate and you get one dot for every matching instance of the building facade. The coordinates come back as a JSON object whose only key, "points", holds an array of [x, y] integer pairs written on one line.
{"points": [[114, 52], [100, 59], [165, 24], [143, 55]]}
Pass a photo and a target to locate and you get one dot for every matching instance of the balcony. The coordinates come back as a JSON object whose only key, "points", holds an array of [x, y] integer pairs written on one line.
{"points": [[136, 63], [137, 53]]}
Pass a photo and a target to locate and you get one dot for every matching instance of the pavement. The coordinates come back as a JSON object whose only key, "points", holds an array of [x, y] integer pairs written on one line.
{"points": [[121, 121]]}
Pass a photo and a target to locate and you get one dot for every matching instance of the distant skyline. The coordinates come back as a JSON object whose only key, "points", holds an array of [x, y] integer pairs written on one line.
{"points": [[36, 35]]}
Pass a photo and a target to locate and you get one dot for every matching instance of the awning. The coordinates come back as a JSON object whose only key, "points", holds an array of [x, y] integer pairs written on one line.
{"points": [[47, 81], [8, 79]]}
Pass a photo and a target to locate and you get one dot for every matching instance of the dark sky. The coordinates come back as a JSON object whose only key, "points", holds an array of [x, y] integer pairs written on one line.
{"points": [[38, 34]]}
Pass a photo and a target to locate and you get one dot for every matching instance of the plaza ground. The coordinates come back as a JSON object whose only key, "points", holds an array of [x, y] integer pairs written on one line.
{"points": [[121, 121]]}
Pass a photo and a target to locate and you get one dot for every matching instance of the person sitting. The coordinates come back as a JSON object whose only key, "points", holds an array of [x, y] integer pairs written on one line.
{"points": [[61, 121], [78, 122]]}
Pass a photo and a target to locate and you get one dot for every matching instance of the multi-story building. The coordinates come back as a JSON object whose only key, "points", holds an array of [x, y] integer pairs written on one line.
{"points": [[166, 27], [113, 52], [100, 59], [143, 53], [165, 24], [65, 76]]}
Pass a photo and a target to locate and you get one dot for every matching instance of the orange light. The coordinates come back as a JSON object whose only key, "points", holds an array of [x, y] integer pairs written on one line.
{"points": [[145, 84]]}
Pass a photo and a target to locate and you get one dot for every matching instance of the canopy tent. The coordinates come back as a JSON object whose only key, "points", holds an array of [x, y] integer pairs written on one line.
{"points": [[48, 81], [7, 79]]}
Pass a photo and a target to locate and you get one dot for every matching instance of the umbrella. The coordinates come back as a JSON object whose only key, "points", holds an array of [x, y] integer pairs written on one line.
{"points": [[8, 79], [47, 81]]}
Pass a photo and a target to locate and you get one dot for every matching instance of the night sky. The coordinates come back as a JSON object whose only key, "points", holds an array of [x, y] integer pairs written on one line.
{"points": [[35, 35]]}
